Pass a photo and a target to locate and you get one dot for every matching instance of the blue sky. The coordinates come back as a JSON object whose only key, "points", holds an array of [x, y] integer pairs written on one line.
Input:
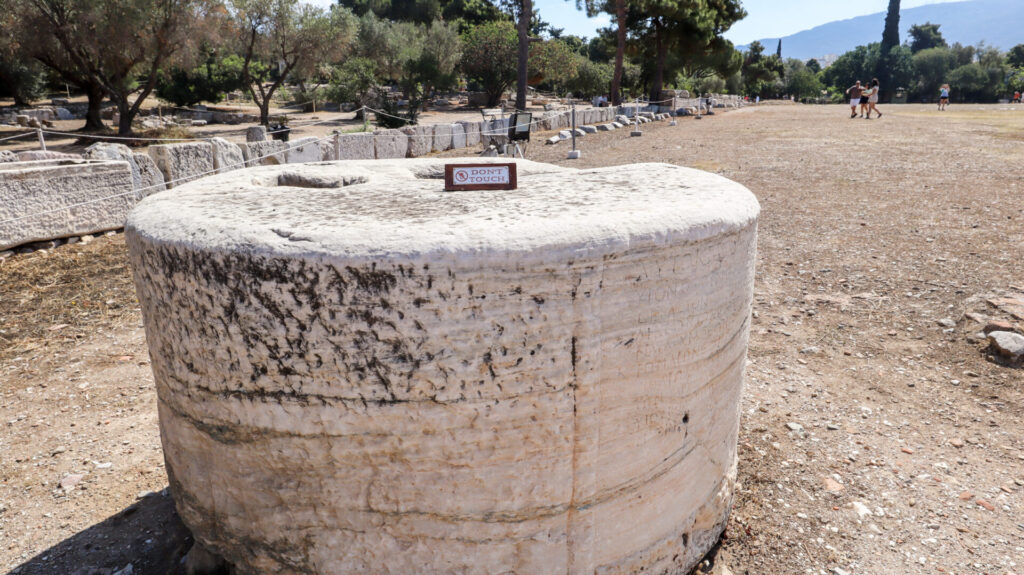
{"points": [[765, 18]]}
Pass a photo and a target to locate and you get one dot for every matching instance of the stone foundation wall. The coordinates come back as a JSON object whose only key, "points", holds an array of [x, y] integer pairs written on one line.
{"points": [[390, 378]]}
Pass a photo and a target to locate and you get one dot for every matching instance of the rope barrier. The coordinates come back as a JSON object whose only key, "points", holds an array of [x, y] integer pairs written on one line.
{"points": [[202, 174], [17, 136], [166, 183]]}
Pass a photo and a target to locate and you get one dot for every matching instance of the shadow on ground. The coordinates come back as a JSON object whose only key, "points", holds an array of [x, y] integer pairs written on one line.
{"points": [[147, 534]]}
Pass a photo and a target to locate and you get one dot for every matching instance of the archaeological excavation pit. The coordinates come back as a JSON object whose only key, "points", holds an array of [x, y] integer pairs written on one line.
{"points": [[359, 372]]}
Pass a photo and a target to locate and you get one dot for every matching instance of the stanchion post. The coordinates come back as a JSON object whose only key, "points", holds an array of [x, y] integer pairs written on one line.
{"points": [[42, 142], [636, 119], [574, 154]]}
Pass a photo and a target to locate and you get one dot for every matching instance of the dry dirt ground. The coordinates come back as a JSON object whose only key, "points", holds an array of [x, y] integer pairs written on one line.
{"points": [[877, 437]]}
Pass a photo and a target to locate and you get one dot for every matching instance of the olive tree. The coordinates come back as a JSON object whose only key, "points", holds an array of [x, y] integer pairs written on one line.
{"points": [[283, 38]]}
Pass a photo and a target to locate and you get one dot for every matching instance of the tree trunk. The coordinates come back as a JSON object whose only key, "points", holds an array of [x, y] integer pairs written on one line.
{"points": [[125, 117], [525, 13], [93, 121], [265, 112], [620, 51], [661, 49]]}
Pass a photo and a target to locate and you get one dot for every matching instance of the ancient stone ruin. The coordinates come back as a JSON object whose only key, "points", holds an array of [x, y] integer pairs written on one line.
{"points": [[359, 372]]}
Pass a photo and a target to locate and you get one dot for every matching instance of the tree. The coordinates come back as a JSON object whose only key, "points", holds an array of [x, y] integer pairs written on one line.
{"points": [[206, 83], [925, 36], [354, 81], [20, 77], [814, 66], [295, 37], [931, 67], [801, 82], [591, 79], [778, 49], [891, 32], [890, 40], [759, 71], [686, 28], [487, 58], [122, 45], [525, 9], [552, 62], [1015, 57]]}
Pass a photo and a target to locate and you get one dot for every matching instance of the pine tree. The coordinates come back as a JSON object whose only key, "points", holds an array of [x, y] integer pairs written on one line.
{"points": [[778, 50]]}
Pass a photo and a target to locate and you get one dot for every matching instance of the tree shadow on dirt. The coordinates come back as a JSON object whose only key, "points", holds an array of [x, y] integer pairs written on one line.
{"points": [[147, 534]]}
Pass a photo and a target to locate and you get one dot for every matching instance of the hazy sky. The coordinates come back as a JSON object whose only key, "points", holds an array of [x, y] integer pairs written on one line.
{"points": [[765, 18]]}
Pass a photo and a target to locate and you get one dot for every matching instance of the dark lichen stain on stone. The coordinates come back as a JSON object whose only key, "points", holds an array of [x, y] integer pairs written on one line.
{"points": [[372, 280]]}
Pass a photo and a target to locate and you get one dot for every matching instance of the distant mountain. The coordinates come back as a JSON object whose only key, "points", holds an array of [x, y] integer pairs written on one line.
{"points": [[998, 23]]}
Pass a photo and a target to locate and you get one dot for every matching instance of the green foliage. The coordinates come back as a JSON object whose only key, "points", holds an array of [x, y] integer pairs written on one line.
{"points": [[22, 80], [801, 82], [760, 73], [711, 84], [931, 67], [925, 36], [891, 32], [552, 62], [393, 117], [814, 66], [206, 83], [591, 79], [857, 64], [298, 37], [1015, 57], [489, 57], [354, 81]]}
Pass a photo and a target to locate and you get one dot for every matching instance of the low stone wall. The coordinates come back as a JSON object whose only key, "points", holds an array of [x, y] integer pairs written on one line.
{"points": [[180, 163], [51, 199]]}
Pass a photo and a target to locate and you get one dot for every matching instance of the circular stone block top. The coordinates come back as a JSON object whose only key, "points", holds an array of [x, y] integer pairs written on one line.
{"points": [[360, 372]]}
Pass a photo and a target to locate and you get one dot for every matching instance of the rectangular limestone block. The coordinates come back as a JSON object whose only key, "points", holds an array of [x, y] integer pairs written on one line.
{"points": [[390, 144], [327, 150], [265, 153], [302, 151], [442, 137], [496, 132], [180, 163], [52, 199], [458, 136], [472, 130], [146, 178], [421, 140], [356, 146], [226, 156]]}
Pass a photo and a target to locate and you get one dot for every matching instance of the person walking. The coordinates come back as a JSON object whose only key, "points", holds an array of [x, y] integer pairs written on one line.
{"points": [[873, 90], [1016, 97], [854, 92], [943, 97]]}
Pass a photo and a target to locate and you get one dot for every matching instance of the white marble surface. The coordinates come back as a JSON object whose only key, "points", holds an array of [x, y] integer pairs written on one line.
{"points": [[383, 377]]}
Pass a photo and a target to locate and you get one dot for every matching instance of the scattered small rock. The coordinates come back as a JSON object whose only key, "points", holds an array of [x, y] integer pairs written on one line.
{"points": [[1007, 344], [861, 509], [795, 426], [70, 481], [946, 322]]}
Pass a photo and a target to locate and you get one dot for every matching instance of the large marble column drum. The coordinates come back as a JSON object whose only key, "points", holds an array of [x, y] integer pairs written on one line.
{"points": [[359, 372]]}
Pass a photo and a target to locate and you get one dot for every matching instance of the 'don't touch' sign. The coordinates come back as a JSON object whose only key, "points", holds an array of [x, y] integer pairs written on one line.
{"points": [[459, 177]]}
